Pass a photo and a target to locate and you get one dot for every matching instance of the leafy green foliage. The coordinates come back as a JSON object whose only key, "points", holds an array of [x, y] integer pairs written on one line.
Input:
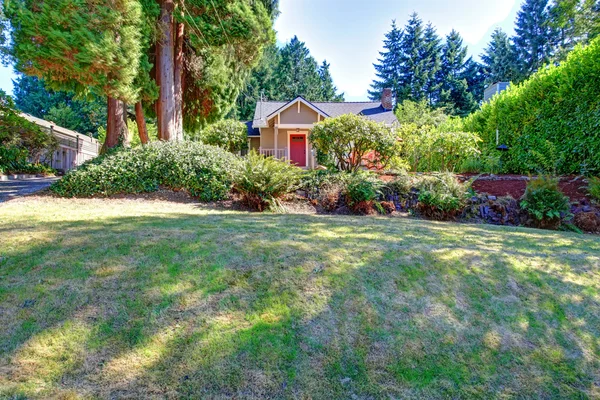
{"points": [[362, 187], [205, 171], [347, 139], [262, 181], [594, 187], [441, 196], [544, 202], [535, 118], [420, 114], [430, 149], [228, 134], [20, 139]]}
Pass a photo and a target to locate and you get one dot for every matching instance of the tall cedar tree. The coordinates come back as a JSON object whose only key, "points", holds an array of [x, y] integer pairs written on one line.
{"points": [[109, 48], [499, 59], [84, 115], [83, 46], [387, 68], [454, 90], [534, 37]]}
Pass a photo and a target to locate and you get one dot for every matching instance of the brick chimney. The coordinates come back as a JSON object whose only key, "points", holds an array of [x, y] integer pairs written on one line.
{"points": [[387, 99]]}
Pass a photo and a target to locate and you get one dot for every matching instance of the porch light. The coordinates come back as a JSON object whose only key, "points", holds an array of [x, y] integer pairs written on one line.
{"points": [[297, 129]]}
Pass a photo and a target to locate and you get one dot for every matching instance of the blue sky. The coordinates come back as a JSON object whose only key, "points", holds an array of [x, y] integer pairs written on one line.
{"points": [[349, 33]]}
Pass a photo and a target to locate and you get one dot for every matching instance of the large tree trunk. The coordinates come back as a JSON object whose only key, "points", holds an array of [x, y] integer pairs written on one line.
{"points": [[116, 127], [141, 123], [165, 64], [178, 86]]}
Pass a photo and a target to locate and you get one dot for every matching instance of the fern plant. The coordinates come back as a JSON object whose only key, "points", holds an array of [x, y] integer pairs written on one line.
{"points": [[545, 203], [264, 180], [594, 188]]}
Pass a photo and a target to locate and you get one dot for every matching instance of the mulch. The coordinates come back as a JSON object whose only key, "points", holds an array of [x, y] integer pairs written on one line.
{"points": [[514, 185]]}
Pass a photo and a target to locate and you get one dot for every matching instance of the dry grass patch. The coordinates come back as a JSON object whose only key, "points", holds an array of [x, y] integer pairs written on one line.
{"points": [[141, 298]]}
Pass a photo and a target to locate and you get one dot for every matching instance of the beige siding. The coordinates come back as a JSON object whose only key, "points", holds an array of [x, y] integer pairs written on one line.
{"points": [[266, 138], [254, 143], [305, 116]]}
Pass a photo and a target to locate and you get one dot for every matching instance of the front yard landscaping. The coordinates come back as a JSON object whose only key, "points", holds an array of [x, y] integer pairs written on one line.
{"points": [[141, 298]]}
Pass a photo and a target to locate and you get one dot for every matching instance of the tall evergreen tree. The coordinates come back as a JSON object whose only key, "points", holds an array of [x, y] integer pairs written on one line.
{"points": [[284, 74], [432, 58], [474, 75], [387, 68], [413, 66], [328, 90], [499, 59], [454, 90], [297, 72], [534, 37]]}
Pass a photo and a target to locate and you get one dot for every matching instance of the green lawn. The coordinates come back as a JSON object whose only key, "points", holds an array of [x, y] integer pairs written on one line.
{"points": [[133, 298]]}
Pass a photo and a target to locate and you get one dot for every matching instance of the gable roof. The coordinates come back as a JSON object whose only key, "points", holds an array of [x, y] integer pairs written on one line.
{"points": [[373, 110]]}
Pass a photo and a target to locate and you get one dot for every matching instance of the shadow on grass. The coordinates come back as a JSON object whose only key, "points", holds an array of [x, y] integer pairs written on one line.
{"points": [[254, 305]]}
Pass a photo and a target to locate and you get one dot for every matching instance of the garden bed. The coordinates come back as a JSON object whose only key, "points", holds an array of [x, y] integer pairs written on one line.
{"points": [[514, 185]]}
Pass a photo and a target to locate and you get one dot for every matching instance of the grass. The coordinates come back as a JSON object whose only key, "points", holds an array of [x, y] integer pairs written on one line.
{"points": [[134, 298]]}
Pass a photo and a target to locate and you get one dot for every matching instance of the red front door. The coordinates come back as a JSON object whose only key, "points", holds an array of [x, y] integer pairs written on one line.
{"points": [[298, 150]]}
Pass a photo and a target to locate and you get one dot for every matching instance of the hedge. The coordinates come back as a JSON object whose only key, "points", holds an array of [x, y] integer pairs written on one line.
{"points": [[550, 122]]}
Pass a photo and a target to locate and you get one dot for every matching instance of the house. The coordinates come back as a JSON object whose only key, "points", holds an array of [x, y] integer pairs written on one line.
{"points": [[494, 89], [74, 148], [280, 128]]}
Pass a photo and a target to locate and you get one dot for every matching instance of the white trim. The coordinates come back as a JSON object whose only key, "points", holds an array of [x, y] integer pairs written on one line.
{"points": [[305, 133], [291, 103], [295, 126]]}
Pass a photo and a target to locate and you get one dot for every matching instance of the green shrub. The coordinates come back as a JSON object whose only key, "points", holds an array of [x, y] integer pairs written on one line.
{"points": [[594, 188], [314, 181], [346, 140], [228, 134], [442, 196], [427, 149], [362, 187], [550, 121], [400, 185], [204, 171], [481, 164], [264, 180], [544, 202]]}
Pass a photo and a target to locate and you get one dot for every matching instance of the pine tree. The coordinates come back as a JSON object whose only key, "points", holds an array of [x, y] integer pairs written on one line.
{"points": [[454, 90], [474, 75], [297, 72], [534, 37], [499, 59], [413, 67], [328, 90], [387, 68], [431, 56]]}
